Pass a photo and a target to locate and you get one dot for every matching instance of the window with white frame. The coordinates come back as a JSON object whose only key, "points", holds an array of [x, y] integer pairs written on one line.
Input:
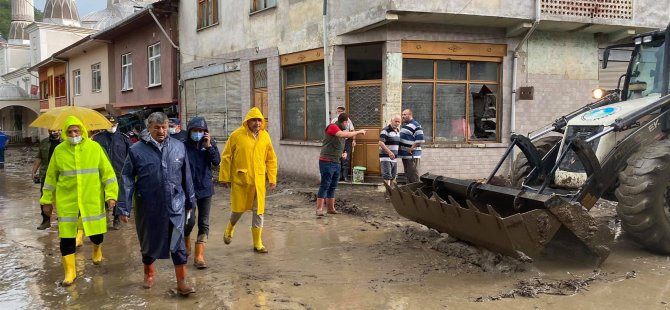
{"points": [[76, 82], [257, 5], [207, 13], [96, 78], [126, 71], [155, 64]]}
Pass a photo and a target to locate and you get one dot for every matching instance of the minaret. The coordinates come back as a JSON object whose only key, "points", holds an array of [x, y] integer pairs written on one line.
{"points": [[61, 12], [23, 14]]}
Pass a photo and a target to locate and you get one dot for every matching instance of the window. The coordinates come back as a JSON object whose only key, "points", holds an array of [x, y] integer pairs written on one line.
{"points": [[304, 106], [60, 86], [44, 89], [208, 13], [257, 5], [155, 64], [127, 71], [453, 100], [76, 82], [96, 78]]}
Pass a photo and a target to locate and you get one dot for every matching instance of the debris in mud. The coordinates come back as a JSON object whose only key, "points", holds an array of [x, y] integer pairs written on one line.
{"points": [[535, 286], [484, 259]]}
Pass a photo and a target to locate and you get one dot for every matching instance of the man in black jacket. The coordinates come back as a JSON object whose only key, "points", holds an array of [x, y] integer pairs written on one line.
{"points": [[116, 145]]}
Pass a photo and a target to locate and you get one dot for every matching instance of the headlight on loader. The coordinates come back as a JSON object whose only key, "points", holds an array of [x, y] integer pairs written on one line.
{"points": [[598, 93]]}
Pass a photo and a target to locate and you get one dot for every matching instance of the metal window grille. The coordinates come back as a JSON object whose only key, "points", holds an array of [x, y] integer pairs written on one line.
{"points": [[611, 9], [364, 105], [260, 75]]}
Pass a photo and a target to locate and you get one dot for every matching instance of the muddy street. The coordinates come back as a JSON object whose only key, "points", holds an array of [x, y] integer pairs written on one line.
{"points": [[368, 257]]}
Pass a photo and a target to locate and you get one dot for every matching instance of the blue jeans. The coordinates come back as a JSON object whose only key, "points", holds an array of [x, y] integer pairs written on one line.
{"points": [[330, 175]]}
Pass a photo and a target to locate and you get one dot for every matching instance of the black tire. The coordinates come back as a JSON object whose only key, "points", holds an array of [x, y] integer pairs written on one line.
{"points": [[521, 168], [643, 197]]}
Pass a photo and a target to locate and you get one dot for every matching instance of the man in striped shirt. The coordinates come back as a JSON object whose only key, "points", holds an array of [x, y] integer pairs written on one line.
{"points": [[411, 137], [389, 142]]}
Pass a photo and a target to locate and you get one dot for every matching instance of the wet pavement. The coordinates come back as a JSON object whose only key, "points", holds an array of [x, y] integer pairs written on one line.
{"points": [[366, 258]]}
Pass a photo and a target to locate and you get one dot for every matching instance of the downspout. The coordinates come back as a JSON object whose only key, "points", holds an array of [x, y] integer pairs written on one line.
{"points": [[70, 101], [178, 67], [515, 61], [325, 59]]}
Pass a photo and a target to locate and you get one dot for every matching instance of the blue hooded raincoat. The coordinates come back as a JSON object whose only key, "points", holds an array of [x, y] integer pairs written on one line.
{"points": [[201, 160], [158, 183]]}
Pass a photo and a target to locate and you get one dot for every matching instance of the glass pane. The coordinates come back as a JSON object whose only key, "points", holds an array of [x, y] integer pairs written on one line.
{"points": [[452, 70], [418, 97], [417, 69], [272, 3], [294, 114], [484, 71], [260, 75], [157, 69], [316, 112], [294, 75], [315, 72], [450, 125], [483, 112]]}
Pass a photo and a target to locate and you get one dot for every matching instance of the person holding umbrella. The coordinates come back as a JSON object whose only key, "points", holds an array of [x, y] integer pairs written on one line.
{"points": [[81, 179]]}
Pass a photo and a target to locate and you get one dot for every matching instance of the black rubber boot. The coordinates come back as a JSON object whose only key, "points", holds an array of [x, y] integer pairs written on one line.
{"points": [[46, 222]]}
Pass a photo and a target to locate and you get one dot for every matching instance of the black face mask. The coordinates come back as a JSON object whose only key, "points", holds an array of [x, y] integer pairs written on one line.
{"points": [[54, 136]]}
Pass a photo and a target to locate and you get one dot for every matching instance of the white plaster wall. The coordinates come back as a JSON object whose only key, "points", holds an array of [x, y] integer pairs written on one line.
{"points": [[83, 62]]}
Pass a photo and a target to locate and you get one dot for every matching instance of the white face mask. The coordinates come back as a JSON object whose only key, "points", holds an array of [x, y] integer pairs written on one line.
{"points": [[74, 140], [112, 130]]}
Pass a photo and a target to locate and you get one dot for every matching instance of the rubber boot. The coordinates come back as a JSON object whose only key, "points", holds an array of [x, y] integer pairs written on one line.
{"points": [[182, 288], [228, 235], [330, 202], [70, 270], [258, 243], [80, 237], [46, 220], [187, 243], [149, 272], [319, 206], [97, 254], [199, 261]]}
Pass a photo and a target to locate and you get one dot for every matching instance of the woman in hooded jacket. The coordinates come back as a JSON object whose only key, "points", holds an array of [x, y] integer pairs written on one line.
{"points": [[203, 154]]}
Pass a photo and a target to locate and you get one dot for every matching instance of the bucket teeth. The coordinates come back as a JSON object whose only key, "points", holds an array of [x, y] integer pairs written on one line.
{"points": [[518, 234]]}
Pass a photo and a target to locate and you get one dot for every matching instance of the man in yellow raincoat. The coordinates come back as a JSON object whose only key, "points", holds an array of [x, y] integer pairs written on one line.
{"points": [[78, 173], [248, 160]]}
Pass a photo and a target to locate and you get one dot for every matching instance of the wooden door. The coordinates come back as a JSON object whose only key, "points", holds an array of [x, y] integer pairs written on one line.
{"points": [[364, 107], [261, 101]]}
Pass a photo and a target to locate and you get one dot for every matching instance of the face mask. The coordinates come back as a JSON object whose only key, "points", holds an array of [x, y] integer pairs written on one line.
{"points": [[172, 130], [112, 130], [197, 136], [74, 140], [54, 136]]}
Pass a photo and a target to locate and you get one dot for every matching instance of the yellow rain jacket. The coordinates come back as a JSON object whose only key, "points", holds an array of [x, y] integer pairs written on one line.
{"points": [[79, 174], [246, 163]]}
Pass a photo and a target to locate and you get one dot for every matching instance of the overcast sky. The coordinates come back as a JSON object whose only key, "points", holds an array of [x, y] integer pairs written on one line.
{"points": [[83, 6]]}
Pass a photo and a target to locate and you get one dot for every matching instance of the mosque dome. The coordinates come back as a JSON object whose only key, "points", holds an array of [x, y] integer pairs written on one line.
{"points": [[116, 11], [61, 12], [10, 91]]}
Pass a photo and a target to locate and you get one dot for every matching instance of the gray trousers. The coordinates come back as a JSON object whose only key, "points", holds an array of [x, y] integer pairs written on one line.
{"points": [[411, 166], [256, 220]]}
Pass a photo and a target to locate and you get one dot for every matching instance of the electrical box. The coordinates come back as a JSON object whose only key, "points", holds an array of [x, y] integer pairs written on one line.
{"points": [[526, 93]]}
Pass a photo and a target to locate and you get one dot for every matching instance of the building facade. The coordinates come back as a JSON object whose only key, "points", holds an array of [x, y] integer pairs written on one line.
{"points": [[451, 62]]}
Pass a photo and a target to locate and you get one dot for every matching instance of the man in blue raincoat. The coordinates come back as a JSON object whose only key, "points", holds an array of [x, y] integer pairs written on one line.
{"points": [[157, 181]]}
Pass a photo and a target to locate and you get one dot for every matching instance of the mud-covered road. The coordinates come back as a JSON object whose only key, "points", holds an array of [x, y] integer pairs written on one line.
{"points": [[366, 258]]}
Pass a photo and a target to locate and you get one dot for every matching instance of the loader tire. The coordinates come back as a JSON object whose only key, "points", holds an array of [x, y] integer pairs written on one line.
{"points": [[644, 197], [521, 168]]}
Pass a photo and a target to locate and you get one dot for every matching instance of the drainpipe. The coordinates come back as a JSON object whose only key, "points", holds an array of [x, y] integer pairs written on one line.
{"points": [[515, 61], [325, 59]]}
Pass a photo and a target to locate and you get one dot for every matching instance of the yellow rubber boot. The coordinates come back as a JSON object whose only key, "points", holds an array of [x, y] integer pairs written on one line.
{"points": [[258, 243], [70, 270], [80, 234], [228, 235], [97, 254]]}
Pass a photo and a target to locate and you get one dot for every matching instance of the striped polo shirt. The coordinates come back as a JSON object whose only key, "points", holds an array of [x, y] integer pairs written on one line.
{"points": [[410, 133], [391, 138]]}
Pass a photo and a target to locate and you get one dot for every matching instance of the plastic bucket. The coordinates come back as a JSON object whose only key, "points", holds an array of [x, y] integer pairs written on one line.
{"points": [[359, 174]]}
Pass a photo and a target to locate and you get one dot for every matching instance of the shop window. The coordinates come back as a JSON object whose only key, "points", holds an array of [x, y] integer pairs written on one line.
{"points": [[304, 104], [456, 101]]}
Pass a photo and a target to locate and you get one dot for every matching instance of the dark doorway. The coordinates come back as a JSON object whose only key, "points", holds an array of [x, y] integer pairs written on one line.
{"points": [[364, 62]]}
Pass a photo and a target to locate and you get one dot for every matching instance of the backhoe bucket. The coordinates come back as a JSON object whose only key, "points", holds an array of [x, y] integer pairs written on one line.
{"points": [[505, 220]]}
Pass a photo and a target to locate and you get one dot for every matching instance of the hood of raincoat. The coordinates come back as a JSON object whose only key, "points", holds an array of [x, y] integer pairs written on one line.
{"points": [[72, 120], [254, 113], [197, 122]]}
